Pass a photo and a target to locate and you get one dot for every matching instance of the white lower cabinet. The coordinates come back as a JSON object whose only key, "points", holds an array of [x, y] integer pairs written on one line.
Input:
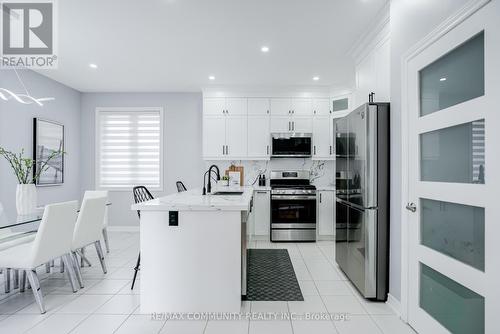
{"points": [[326, 214], [262, 212]]}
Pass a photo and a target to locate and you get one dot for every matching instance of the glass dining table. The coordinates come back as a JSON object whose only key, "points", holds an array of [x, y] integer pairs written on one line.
{"points": [[22, 225]]}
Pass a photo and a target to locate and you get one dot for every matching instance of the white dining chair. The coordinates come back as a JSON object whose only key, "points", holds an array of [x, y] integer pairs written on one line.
{"points": [[53, 240], [101, 193], [88, 230], [8, 239]]}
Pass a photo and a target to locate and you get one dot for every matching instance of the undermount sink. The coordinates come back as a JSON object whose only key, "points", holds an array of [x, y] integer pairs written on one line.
{"points": [[220, 193]]}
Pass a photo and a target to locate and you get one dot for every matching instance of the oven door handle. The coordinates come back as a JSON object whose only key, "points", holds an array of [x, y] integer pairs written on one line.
{"points": [[293, 197]]}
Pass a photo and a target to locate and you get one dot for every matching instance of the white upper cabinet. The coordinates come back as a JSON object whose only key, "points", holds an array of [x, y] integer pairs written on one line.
{"points": [[214, 106], [236, 106], [240, 128], [258, 107], [302, 124], [225, 106], [302, 107], [281, 124], [322, 137], [259, 137], [214, 136], [321, 107], [281, 107], [236, 137]]}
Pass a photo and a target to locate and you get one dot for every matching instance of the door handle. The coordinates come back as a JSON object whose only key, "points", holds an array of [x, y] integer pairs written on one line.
{"points": [[411, 207], [227, 149], [267, 149], [223, 150], [293, 126], [330, 149], [315, 154], [320, 197]]}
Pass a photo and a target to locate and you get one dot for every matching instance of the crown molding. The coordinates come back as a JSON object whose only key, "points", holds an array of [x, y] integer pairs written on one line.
{"points": [[378, 31]]}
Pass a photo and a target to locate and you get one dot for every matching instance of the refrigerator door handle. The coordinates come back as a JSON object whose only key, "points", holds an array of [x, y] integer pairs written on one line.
{"points": [[371, 156], [371, 253]]}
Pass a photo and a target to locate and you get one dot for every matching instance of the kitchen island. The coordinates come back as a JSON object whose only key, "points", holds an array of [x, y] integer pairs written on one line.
{"points": [[193, 251]]}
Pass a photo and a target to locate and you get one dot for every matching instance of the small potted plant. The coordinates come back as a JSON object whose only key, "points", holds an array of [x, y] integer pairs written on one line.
{"points": [[225, 178], [26, 199]]}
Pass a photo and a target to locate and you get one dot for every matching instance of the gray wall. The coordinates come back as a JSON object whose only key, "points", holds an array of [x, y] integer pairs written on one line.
{"points": [[410, 22], [182, 143], [16, 132]]}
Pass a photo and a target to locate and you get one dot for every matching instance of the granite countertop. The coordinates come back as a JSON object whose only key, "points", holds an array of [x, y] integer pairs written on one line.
{"points": [[193, 200]]}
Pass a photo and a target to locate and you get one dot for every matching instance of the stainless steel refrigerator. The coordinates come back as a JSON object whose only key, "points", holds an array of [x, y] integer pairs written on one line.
{"points": [[362, 198]]}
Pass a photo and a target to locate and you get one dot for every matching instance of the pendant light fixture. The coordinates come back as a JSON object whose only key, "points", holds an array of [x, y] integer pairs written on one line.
{"points": [[24, 98]]}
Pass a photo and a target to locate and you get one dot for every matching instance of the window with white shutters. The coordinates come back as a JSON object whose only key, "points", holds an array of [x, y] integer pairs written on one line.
{"points": [[129, 148]]}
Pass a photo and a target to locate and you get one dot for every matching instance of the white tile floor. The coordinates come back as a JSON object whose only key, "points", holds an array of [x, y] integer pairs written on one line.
{"points": [[107, 305]]}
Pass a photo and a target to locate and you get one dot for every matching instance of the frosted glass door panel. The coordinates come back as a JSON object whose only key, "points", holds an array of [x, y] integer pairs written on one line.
{"points": [[453, 305], [453, 229], [453, 154], [454, 78]]}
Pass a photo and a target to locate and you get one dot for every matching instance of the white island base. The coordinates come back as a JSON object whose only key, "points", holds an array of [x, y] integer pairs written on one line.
{"points": [[193, 267]]}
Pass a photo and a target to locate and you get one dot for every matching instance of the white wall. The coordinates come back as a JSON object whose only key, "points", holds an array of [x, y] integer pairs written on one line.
{"points": [[182, 143], [16, 132], [410, 22]]}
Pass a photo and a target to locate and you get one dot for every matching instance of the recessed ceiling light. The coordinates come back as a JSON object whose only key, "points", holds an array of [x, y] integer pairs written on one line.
{"points": [[315, 78], [442, 79], [211, 77], [92, 65], [264, 49]]}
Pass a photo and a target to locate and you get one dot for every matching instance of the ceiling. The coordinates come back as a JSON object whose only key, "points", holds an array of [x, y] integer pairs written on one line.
{"points": [[175, 45]]}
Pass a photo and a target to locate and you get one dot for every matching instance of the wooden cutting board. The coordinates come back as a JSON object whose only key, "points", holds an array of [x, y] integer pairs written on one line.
{"points": [[239, 169]]}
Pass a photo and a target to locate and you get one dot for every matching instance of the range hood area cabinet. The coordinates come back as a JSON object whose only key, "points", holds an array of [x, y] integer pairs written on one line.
{"points": [[291, 115], [240, 128]]}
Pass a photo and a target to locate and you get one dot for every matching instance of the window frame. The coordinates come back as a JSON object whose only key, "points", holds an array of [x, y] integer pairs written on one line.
{"points": [[97, 145]]}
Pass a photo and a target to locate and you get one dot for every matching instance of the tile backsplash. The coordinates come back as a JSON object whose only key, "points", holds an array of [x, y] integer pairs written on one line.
{"points": [[322, 172]]}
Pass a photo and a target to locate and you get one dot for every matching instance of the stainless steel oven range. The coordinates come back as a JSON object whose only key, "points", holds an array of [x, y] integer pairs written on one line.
{"points": [[293, 206]]}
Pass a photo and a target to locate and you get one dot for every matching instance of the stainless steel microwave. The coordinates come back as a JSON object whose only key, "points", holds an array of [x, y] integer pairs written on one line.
{"points": [[291, 145]]}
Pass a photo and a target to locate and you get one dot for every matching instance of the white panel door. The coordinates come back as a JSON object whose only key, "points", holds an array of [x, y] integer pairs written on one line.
{"points": [[302, 124], [258, 107], [326, 215], [322, 141], [281, 124], [302, 107], [214, 106], [214, 136], [321, 107], [259, 136], [236, 106], [281, 107], [453, 179], [236, 137]]}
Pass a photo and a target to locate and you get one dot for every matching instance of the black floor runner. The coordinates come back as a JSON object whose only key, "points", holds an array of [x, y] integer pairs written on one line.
{"points": [[271, 276]]}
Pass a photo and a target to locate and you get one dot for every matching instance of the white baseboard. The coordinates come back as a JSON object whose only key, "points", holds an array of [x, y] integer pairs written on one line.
{"points": [[123, 228], [394, 304]]}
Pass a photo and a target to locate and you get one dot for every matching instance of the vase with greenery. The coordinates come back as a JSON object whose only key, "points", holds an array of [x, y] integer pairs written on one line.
{"points": [[27, 176]]}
